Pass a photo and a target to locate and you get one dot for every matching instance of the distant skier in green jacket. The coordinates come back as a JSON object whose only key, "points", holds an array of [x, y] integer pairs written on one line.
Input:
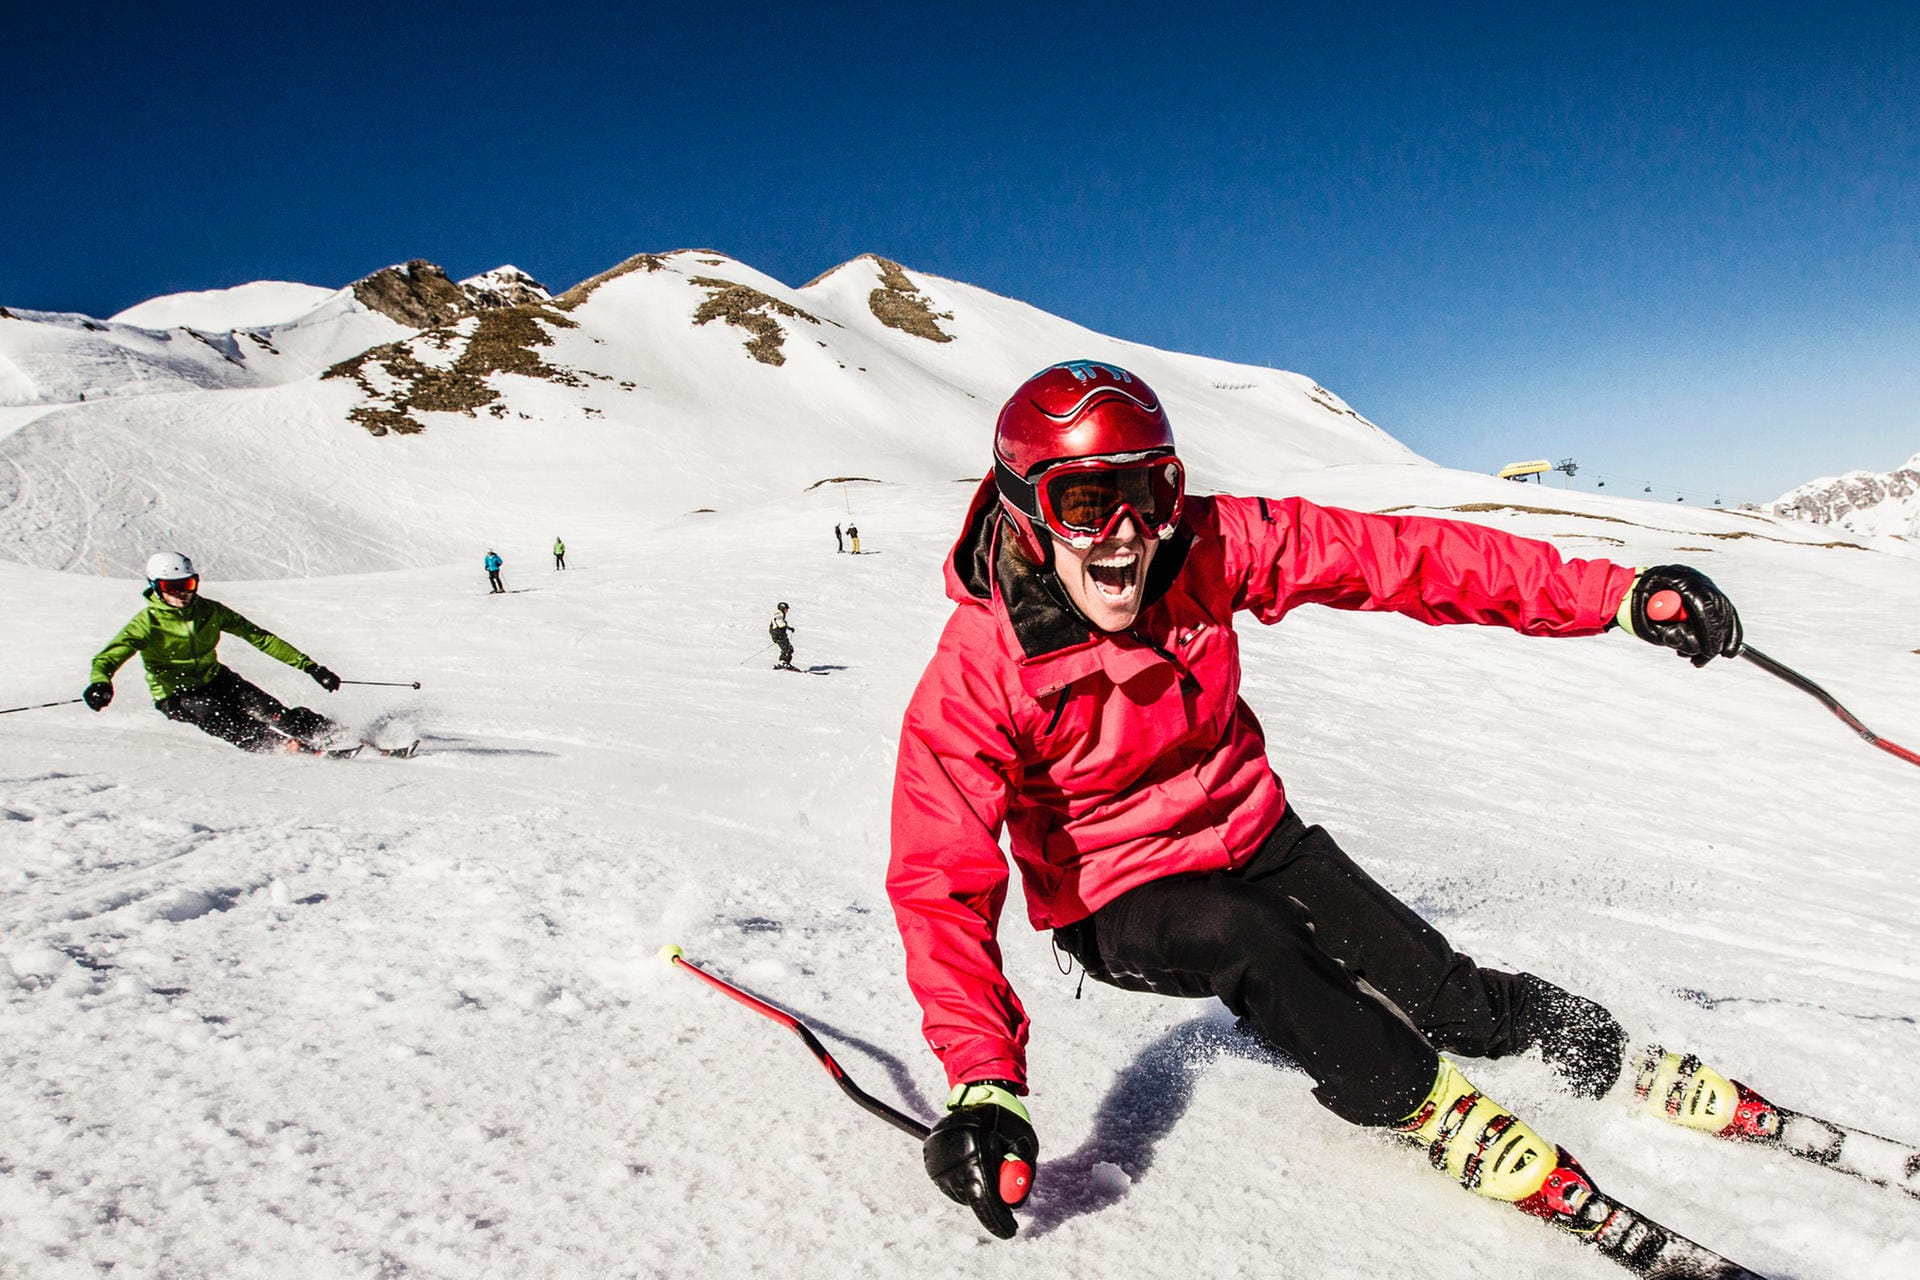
{"points": [[559, 553], [177, 635]]}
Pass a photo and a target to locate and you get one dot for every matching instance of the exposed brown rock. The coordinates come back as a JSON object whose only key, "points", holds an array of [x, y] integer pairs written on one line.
{"points": [[1324, 398], [417, 295], [747, 308], [899, 304], [502, 341]]}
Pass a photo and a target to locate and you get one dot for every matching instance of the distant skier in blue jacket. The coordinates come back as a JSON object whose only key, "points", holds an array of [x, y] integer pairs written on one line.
{"points": [[493, 573]]}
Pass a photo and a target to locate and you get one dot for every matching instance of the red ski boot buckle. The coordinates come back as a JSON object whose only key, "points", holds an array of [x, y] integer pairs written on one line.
{"points": [[1754, 1118]]}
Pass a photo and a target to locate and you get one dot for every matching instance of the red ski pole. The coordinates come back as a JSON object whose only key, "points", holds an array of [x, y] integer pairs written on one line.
{"points": [[899, 1120], [1015, 1175], [1667, 605]]}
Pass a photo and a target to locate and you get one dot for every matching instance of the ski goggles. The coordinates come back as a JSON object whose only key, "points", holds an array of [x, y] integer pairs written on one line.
{"points": [[178, 586], [1081, 501]]}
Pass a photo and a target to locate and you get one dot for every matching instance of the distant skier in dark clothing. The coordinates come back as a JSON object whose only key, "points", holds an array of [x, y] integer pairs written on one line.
{"points": [[838, 545], [177, 635], [780, 629], [493, 573], [559, 553]]}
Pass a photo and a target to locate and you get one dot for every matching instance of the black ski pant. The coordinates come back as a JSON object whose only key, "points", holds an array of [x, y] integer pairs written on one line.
{"points": [[786, 647], [242, 713], [493, 576], [1319, 960]]}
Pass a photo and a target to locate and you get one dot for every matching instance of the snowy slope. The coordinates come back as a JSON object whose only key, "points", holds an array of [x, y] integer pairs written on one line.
{"points": [[51, 358], [254, 305], [281, 1017], [56, 358]]}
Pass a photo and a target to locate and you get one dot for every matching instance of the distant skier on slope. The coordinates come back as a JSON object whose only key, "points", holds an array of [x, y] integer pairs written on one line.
{"points": [[559, 553], [853, 537], [782, 631], [177, 636], [492, 563], [1085, 697]]}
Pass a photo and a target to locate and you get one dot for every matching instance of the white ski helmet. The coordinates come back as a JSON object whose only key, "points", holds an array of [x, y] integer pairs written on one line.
{"points": [[165, 566]]}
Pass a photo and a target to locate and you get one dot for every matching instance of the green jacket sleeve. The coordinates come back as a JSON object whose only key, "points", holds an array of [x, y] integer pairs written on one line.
{"points": [[260, 638], [123, 646]]}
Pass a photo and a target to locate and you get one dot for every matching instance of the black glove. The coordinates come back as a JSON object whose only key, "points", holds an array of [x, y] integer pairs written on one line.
{"points": [[98, 695], [968, 1153], [324, 678], [1708, 627]]}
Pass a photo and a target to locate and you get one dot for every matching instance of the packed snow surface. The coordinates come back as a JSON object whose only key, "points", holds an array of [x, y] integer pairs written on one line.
{"points": [[268, 1016]]}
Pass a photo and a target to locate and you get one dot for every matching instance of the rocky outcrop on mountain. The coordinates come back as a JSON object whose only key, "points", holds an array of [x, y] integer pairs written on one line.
{"points": [[899, 304], [1863, 502], [416, 294], [447, 368], [750, 309], [503, 287]]}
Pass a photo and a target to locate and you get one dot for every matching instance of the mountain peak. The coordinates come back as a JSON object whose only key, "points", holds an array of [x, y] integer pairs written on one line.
{"points": [[585, 289], [1863, 502], [416, 294], [505, 286]]}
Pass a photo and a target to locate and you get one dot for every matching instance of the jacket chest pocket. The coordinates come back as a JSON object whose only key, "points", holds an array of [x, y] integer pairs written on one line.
{"points": [[1210, 656]]}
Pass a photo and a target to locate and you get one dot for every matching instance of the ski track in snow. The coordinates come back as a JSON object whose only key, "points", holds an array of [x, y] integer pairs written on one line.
{"points": [[264, 1016]]}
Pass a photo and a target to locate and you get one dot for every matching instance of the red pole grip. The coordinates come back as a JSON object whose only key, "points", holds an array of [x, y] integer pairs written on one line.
{"points": [[1666, 606], [1016, 1179]]}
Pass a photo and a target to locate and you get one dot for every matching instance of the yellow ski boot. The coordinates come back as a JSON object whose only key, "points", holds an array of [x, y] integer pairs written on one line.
{"points": [[1686, 1091]]}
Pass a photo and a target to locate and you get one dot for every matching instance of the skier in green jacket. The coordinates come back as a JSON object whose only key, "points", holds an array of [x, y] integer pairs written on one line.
{"points": [[177, 635]]}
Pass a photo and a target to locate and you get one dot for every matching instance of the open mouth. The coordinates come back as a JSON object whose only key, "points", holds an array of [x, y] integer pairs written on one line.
{"points": [[1115, 576]]}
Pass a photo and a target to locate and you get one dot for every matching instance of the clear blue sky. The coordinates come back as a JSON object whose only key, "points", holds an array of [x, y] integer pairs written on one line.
{"points": [[1678, 242]]}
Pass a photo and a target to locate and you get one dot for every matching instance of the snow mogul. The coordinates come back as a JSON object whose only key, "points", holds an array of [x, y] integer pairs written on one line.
{"points": [[1084, 697], [177, 636]]}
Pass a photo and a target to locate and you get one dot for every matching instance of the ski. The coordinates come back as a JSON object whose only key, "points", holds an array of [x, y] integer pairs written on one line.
{"points": [[1827, 1143], [1855, 1152], [1623, 1235], [1692, 1094], [397, 753], [343, 753]]}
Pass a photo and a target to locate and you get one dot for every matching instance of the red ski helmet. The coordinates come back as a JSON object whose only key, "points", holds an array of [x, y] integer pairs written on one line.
{"points": [[1110, 426]]}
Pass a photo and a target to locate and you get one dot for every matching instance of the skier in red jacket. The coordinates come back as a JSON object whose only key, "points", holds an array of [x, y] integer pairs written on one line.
{"points": [[1085, 698]]}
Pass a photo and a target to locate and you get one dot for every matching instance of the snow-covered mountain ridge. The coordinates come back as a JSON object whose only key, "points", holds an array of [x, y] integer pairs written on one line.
{"points": [[252, 335], [668, 383], [1864, 502]]}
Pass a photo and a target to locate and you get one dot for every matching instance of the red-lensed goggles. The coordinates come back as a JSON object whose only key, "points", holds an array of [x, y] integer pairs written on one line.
{"points": [[178, 586], [1081, 501]]}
